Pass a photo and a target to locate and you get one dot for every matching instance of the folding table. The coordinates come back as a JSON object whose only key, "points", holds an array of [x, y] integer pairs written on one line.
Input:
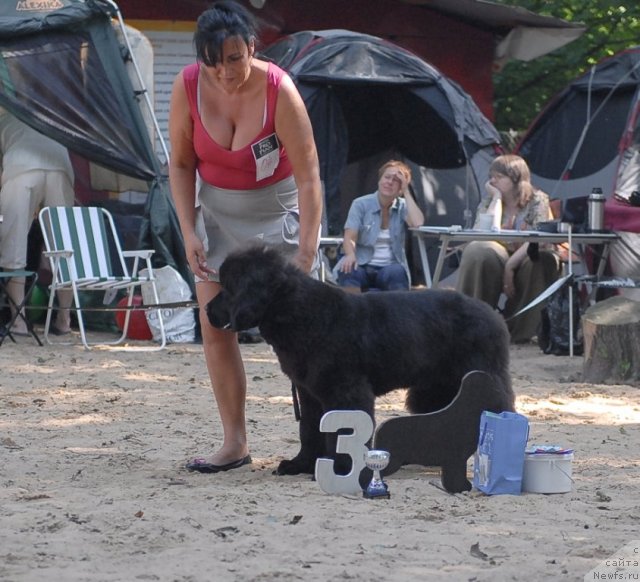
{"points": [[456, 234]]}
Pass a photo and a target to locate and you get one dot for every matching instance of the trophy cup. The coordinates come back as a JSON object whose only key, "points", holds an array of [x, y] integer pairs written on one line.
{"points": [[376, 460]]}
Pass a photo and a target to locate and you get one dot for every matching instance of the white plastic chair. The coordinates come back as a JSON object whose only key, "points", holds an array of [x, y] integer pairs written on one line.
{"points": [[83, 247]]}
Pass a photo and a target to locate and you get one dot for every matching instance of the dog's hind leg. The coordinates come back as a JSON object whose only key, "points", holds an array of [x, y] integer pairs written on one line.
{"points": [[311, 441]]}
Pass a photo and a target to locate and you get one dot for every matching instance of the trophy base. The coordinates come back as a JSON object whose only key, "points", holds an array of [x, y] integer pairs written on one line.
{"points": [[376, 493]]}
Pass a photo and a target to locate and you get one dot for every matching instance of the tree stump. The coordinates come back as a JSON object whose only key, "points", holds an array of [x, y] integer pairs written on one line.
{"points": [[611, 330]]}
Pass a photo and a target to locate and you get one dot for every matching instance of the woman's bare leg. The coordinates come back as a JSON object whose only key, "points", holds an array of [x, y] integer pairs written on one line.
{"points": [[226, 370]]}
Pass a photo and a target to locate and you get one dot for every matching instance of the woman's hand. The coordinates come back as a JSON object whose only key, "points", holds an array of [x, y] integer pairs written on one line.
{"points": [[304, 261], [197, 258], [404, 183], [493, 191], [348, 263], [508, 280]]}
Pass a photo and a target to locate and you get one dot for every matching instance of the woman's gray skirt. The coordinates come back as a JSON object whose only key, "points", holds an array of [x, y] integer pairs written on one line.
{"points": [[229, 219]]}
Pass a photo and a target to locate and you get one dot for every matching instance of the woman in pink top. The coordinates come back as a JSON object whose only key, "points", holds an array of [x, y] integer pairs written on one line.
{"points": [[243, 167]]}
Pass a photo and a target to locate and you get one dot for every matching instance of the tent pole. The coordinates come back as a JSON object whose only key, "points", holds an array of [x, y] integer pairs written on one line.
{"points": [[583, 135], [576, 150], [139, 75], [468, 213], [570, 292]]}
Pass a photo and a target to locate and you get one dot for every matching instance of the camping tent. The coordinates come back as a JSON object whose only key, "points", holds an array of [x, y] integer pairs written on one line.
{"points": [[589, 136], [369, 99], [62, 71]]}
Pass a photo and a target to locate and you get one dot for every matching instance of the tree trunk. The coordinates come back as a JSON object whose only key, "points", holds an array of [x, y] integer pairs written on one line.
{"points": [[611, 331]]}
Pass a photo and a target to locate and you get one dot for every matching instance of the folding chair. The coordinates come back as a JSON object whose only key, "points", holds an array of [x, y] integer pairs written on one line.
{"points": [[80, 243], [5, 278]]}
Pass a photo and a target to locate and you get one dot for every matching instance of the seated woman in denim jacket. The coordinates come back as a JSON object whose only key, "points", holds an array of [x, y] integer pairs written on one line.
{"points": [[375, 232]]}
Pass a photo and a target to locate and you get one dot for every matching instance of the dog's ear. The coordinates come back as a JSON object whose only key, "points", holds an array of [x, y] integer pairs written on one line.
{"points": [[247, 313], [254, 278], [237, 314], [249, 305]]}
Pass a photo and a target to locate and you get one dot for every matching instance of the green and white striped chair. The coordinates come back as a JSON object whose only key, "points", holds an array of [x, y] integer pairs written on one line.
{"points": [[84, 250]]}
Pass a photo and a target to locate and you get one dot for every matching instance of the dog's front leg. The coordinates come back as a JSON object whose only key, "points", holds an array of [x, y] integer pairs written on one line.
{"points": [[311, 442]]}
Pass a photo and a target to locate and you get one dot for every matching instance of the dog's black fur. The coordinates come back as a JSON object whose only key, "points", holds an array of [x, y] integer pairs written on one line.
{"points": [[342, 350]]}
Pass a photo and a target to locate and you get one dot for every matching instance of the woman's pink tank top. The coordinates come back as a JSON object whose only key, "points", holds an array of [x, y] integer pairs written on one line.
{"points": [[247, 168]]}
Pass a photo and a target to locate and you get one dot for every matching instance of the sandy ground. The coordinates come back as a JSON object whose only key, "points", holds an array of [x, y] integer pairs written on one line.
{"points": [[93, 444]]}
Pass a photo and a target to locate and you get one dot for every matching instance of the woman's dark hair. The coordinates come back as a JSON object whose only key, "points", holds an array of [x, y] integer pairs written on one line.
{"points": [[223, 20]]}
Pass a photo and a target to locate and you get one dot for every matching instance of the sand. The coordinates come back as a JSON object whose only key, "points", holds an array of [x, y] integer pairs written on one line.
{"points": [[93, 488]]}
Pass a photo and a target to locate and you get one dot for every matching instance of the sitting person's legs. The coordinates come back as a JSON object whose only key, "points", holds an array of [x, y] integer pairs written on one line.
{"points": [[531, 279], [355, 281], [481, 271], [391, 278], [388, 278]]}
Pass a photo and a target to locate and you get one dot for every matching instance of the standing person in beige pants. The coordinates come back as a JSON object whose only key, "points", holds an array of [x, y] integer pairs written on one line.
{"points": [[36, 172]]}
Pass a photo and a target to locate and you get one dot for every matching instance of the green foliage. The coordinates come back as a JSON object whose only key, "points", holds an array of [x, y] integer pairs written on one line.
{"points": [[522, 89]]}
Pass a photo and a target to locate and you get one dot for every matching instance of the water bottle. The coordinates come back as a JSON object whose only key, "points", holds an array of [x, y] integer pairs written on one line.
{"points": [[596, 210]]}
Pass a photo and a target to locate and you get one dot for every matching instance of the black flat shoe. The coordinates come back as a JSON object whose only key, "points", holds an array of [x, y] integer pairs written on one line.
{"points": [[202, 466]]}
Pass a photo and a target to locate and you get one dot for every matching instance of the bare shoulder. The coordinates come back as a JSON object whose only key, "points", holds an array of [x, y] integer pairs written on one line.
{"points": [[293, 125], [178, 89], [288, 93]]}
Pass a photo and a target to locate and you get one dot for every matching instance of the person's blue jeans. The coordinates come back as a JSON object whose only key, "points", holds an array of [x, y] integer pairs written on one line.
{"points": [[389, 278]]}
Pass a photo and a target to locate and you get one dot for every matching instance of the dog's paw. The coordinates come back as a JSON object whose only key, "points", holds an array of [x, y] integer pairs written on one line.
{"points": [[295, 466]]}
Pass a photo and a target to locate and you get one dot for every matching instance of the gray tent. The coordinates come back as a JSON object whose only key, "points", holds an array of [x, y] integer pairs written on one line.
{"points": [[370, 100], [589, 135], [62, 71]]}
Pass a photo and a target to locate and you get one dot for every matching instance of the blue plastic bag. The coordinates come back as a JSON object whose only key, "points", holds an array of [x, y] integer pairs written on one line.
{"points": [[499, 459]]}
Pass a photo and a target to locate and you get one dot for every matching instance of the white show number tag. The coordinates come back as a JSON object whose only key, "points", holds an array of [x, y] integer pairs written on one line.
{"points": [[266, 153], [352, 444]]}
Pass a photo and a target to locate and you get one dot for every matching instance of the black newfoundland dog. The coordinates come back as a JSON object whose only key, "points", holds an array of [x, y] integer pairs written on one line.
{"points": [[342, 350]]}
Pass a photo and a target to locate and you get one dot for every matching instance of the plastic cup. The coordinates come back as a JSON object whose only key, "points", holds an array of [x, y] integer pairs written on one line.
{"points": [[485, 221]]}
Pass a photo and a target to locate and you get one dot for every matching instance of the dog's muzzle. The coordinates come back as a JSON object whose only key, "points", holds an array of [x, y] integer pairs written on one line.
{"points": [[218, 312]]}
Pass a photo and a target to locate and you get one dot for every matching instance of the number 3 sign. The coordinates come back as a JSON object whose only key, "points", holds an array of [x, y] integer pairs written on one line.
{"points": [[347, 444]]}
